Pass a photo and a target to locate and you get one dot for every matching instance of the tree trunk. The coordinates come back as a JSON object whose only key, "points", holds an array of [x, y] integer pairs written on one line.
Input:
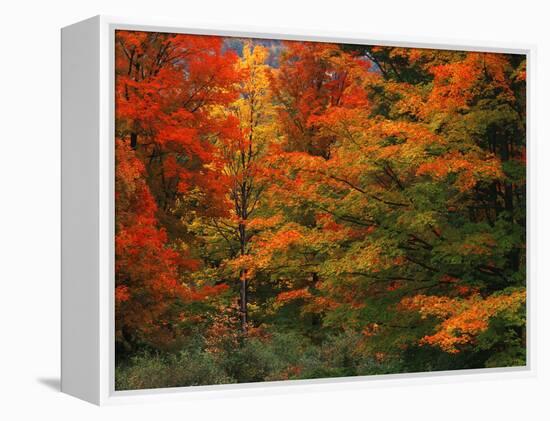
{"points": [[243, 274], [243, 302]]}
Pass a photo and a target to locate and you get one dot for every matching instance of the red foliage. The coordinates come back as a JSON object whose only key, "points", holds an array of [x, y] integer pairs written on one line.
{"points": [[147, 269], [165, 86], [312, 78]]}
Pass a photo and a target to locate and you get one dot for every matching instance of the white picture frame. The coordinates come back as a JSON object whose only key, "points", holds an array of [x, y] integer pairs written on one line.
{"points": [[88, 215]]}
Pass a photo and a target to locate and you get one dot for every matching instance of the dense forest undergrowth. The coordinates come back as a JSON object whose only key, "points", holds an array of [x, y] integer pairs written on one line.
{"points": [[291, 210]]}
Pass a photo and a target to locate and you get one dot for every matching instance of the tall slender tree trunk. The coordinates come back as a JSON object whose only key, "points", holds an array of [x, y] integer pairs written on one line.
{"points": [[243, 302], [243, 274]]}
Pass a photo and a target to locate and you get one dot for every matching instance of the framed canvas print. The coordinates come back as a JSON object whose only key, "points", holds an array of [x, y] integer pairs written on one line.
{"points": [[291, 210]]}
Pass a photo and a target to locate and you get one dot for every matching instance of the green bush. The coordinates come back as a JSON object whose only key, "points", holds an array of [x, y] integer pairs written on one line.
{"points": [[283, 356], [147, 371]]}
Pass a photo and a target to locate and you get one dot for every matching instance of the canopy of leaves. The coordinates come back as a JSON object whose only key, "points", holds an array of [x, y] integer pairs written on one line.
{"points": [[301, 210]]}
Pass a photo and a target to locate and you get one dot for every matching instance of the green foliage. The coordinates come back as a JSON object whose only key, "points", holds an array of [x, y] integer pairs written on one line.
{"points": [[149, 371], [285, 356]]}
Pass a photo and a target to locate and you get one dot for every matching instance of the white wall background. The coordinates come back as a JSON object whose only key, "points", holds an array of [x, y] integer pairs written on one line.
{"points": [[29, 207]]}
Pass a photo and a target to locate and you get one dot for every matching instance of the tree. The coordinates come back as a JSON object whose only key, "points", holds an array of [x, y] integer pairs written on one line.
{"points": [[146, 268], [313, 77], [166, 88], [242, 153], [412, 195]]}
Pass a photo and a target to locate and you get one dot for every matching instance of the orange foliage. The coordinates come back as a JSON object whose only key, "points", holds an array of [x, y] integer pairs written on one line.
{"points": [[456, 84], [470, 168], [463, 319], [296, 294]]}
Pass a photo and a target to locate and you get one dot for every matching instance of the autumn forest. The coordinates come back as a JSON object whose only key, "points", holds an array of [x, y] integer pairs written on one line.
{"points": [[297, 210]]}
